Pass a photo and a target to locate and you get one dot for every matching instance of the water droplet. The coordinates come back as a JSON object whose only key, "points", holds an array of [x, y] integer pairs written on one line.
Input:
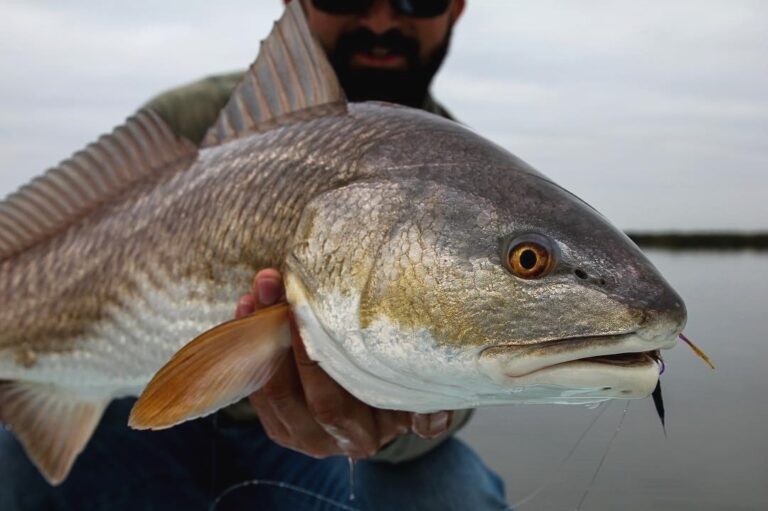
{"points": [[351, 478]]}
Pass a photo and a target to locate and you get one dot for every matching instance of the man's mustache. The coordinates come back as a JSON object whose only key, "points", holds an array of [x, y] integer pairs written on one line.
{"points": [[363, 40]]}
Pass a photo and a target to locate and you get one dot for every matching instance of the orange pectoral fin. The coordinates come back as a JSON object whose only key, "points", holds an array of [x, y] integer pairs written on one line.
{"points": [[217, 368]]}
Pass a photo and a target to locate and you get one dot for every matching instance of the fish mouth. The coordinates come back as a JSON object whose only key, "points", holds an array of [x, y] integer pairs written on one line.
{"points": [[604, 366], [625, 359]]}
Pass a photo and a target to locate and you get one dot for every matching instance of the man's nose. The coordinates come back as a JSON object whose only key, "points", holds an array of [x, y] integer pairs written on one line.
{"points": [[380, 17]]}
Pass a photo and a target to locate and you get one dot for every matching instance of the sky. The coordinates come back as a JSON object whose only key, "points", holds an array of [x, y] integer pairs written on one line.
{"points": [[656, 113]]}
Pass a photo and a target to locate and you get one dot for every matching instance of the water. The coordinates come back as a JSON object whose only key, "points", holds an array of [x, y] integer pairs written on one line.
{"points": [[715, 454]]}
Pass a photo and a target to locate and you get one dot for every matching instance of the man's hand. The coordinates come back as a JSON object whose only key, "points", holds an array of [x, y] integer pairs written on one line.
{"points": [[303, 409]]}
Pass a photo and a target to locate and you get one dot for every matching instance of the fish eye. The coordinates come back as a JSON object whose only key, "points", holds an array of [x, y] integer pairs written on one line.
{"points": [[530, 257]]}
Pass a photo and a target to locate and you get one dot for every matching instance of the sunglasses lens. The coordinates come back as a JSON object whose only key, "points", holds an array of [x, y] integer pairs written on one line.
{"points": [[421, 8], [342, 6]]}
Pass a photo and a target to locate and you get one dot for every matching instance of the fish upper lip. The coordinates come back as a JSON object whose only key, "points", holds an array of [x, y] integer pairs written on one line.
{"points": [[576, 338], [551, 344]]}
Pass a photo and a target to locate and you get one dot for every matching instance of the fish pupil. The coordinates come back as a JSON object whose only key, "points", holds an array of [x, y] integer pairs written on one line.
{"points": [[528, 259]]}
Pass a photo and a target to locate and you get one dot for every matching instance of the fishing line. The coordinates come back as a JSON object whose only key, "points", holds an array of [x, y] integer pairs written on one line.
{"points": [[283, 486], [602, 460], [562, 462], [214, 452]]}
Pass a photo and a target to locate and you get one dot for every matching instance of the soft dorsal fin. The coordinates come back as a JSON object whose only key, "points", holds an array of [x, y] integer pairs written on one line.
{"points": [[51, 202], [290, 80]]}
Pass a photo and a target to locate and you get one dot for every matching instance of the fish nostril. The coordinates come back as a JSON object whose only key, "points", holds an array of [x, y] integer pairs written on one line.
{"points": [[581, 274]]}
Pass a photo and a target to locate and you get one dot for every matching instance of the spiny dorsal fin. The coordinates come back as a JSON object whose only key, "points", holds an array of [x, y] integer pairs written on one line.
{"points": [[143, 145], [290, 80], [53, 425]]}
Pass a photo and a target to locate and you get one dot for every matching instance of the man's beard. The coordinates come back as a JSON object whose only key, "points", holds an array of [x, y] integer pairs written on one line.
{"points": [[409, 86]]}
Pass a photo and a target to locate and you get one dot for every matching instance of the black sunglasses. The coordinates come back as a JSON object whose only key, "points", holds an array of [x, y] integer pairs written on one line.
{"points": [[415, 8]]}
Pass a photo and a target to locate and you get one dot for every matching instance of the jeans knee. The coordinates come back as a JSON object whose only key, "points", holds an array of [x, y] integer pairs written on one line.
{"points": [[450, 477]]}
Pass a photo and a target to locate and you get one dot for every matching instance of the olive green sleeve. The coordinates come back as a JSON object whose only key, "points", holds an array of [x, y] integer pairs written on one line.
{"points": [[191, 109], [434, 107]]}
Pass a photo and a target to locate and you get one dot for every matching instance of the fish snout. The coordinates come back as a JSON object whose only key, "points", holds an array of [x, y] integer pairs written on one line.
{"points": [[663, 318], [600, 366]]}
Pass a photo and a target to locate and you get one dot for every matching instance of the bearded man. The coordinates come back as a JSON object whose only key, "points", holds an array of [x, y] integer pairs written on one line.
{"points": [[297, 438]]}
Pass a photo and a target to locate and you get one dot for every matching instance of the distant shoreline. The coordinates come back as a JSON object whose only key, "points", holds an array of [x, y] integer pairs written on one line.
{"points": [[701, 240]]}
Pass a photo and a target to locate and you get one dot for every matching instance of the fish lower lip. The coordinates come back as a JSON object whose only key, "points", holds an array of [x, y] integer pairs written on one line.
{"points": [[626, 349], [621, 375], [623, 360]]}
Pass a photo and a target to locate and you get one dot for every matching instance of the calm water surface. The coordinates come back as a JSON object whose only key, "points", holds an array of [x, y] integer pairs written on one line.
{"points": [[715, 454]]}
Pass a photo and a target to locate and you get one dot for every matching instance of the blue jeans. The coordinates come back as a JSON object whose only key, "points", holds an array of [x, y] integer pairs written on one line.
{"points": [[233, 465]]}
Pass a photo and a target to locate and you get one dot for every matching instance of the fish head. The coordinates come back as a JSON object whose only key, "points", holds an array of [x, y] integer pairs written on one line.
{"points": [[463, 277]]}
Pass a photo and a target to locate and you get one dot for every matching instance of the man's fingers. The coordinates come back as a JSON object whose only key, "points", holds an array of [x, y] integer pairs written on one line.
{"points": [[303, 408], [245, 305], [391, 424], [268, 287], [271, 424], [319, 445], [285, 396], [386, 425], [285, 417], [431, 425], [350, 421], [280, 404]]}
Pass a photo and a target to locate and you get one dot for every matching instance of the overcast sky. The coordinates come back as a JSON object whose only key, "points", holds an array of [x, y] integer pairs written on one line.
{"points": [[654, 112]]}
